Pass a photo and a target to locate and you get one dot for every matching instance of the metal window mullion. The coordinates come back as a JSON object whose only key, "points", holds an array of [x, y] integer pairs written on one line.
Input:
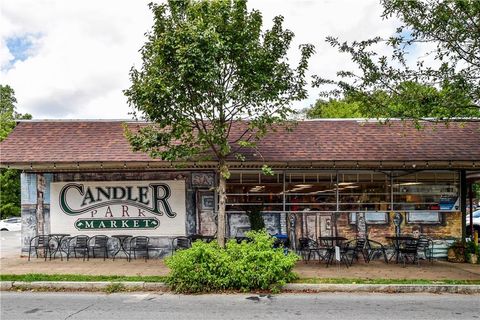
{"points": [[336, 192], [391, 191]]}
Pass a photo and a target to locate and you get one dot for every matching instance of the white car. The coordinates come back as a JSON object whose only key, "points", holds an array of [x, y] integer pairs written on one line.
{"points": [[11, 224]]}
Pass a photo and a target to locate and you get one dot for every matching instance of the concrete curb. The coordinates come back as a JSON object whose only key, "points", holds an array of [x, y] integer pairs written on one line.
{"points": [[290, 287], [82, 286], [384, 288]]}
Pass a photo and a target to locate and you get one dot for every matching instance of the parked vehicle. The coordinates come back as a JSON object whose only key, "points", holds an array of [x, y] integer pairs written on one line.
{"points": [[11, 224], [476, 221]]}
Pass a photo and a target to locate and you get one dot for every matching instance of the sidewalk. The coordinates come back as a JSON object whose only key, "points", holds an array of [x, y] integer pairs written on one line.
{"points": [[439, 270]]}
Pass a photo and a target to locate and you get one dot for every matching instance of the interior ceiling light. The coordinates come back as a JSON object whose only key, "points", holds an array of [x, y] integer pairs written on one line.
{"points": [[257, 188], [409, 183], [346, 183]]}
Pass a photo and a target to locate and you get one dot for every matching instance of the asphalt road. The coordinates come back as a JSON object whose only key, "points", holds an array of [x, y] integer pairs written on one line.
{"points": [[132, 306], [10, 242]]}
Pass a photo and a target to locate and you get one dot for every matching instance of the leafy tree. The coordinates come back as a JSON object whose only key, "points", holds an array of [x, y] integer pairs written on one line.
{"points": [[9, 178], [413, 100], [450, 72], [334, 108], [209, 70]]}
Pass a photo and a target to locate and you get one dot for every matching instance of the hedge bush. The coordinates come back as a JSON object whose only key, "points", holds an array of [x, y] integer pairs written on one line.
{"points": [[239, 266]]}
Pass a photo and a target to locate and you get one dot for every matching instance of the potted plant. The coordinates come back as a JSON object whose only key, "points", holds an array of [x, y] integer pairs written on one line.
{"points": [[456, 252], [472, 252]]}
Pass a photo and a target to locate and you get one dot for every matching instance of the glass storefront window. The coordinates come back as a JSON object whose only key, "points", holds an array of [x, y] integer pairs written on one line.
{"points": [[310, 191], [254, 189], [426, 190], [364, 191], [358, 191]]}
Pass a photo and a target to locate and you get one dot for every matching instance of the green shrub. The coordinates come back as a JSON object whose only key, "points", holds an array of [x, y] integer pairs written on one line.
{"points": [[239, 266], [471, 248]]}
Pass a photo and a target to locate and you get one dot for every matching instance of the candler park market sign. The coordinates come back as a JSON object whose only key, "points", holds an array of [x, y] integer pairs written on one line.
{"points": [[145, 207]]}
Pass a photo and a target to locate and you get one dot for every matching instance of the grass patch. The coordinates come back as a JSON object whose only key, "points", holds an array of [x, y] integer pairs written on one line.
{"points": [[114, 287], [382, 281], [29, 277]]}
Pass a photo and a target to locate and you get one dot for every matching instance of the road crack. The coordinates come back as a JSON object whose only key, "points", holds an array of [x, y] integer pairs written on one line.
{"points": [[77, 312]]}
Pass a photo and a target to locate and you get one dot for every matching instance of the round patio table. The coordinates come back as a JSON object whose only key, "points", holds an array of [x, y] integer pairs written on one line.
{"points": [[58, 238], [121, 239]]}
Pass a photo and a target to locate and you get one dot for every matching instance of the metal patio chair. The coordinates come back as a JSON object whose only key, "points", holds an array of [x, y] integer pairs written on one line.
{"points": [[136, 244], [357, 246], [425, 246], [375, 248], [409, 251], [307, 247], [40, 242], [99, 242], [181, 243], [78, 243]]}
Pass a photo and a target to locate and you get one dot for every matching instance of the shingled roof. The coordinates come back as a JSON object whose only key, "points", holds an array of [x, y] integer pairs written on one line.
{"points": [[57, 141]]}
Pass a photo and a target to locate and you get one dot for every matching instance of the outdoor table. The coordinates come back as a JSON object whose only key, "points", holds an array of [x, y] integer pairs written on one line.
{"points": [[328, 244], [58, 237], [397, 242], [330, 241], [121, 239]]}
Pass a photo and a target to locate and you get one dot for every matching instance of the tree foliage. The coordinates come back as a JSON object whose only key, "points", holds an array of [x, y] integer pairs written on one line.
{"points": [[414, 101], [9, 178], [208, 68], [448, 77], [333, 108]]}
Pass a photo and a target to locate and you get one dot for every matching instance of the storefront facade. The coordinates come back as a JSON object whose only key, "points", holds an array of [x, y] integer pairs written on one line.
{"points": [[72, 182]]}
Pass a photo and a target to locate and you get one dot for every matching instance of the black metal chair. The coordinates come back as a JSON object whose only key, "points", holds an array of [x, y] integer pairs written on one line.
{"points": [[136, 244], [409, 250], [358, 247], [78, 243], [307, 247], [375, 248], [241, 239], [99, 242], [181, 243], [40, 242], [425, 246], [195, 237]]}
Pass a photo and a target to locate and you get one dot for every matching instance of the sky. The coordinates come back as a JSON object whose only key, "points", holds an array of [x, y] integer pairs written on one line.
{"points": [[70, 59]]}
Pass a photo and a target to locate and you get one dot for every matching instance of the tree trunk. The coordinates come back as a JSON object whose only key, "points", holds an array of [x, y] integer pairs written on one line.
{"points": [[222, 197]]}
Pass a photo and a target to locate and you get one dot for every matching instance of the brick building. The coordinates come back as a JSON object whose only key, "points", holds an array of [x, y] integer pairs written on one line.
{"points": [[81, 177]]}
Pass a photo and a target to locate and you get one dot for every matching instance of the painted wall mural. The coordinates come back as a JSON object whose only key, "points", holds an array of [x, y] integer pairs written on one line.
{"points": [[148, 207]]}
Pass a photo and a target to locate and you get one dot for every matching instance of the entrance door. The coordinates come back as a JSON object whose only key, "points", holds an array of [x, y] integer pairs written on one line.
{"points": [[206, 217]]}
